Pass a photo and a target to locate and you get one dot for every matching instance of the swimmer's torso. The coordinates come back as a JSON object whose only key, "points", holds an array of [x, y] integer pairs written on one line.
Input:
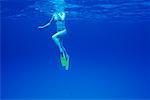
{"points": [[60, 20]]}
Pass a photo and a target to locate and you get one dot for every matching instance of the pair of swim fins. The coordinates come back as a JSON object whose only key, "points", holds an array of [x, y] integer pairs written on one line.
{"points": [[64, 60]]}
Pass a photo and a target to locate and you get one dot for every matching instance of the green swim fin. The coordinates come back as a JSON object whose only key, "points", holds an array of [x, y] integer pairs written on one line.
{"points": [[64, 61]]}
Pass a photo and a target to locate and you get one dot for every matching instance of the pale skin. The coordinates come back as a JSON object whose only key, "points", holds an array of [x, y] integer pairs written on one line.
{"points": [[59, 17]]}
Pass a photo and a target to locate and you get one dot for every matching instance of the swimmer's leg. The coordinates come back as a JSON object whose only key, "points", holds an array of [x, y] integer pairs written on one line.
{"points": [[63, 54], [57, 39]]}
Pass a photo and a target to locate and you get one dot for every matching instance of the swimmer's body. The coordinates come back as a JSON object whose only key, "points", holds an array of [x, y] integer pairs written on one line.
{"points": [[59, 18]]}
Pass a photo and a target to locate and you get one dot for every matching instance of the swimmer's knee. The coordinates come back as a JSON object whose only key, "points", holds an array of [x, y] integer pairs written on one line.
{"points": [[54, 37]]}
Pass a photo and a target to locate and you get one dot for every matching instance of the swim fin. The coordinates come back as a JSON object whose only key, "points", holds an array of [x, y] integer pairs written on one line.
{"points": [[64, 61]]}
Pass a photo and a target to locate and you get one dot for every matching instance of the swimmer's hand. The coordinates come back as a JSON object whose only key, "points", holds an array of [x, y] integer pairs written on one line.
{"points": [[40, 27]]}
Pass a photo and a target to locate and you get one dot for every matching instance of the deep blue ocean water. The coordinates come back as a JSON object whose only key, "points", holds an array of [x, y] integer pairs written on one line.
{"points": [[108, 42]]}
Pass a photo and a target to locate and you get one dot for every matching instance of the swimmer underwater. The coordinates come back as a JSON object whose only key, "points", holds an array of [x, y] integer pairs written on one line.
{"points": [[59, 17]]}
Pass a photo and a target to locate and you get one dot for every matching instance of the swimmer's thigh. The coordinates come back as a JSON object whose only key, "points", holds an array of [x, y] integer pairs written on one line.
{"points": [[59, 34]]}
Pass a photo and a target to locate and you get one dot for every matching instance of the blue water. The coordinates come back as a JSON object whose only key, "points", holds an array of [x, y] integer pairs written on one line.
{"points": [[108, 42]]}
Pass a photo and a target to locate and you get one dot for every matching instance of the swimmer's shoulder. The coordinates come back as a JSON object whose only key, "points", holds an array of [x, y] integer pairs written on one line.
{"points": [[55, 16]]}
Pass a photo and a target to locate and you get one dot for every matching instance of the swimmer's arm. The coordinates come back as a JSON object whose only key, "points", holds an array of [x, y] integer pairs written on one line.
{"points": [[47, 23]]}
